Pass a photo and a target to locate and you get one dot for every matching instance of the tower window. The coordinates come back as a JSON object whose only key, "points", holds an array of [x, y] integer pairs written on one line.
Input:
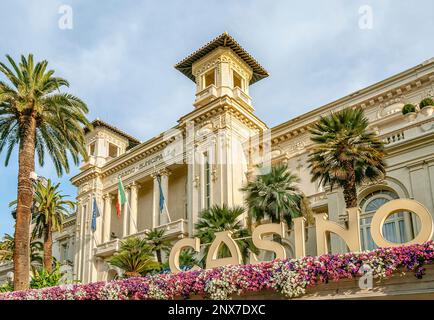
{"points": [[92, 149], [113, 150], [237, 80], [210, 78]]}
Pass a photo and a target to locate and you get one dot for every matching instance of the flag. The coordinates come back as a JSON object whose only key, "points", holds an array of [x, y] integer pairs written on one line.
{"points": [[95, 214], [122, 199], [161, 194]]}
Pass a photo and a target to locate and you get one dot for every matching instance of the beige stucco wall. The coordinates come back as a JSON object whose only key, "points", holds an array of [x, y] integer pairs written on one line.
{"points": [[145, 205], [178, 193]]}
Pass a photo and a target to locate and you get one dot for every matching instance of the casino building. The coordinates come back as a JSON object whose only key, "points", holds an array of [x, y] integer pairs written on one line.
{"points": [[212, 152]]}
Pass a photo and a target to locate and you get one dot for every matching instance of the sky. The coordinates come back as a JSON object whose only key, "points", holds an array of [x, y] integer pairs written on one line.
{"points": [[119, 55]]}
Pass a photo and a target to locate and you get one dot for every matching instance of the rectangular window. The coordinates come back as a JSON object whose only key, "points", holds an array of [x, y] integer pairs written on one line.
{"points": [[113, 150], [92, 149], [209, 78], [207, 180], [63, 252], [237, 80]]}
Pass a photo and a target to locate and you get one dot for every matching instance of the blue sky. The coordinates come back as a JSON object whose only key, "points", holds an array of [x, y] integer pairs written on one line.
{"points": [[119, 56]]}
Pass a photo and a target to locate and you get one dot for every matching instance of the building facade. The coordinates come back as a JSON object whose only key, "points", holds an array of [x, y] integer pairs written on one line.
{"points": [[214, 150]]}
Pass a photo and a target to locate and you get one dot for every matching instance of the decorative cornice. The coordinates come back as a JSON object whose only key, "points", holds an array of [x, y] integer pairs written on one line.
{"points": [[415, 80]]}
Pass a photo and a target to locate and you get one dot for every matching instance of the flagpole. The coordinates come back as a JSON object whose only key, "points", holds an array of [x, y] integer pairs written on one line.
{"points": [[129, 207], [165, 205]]}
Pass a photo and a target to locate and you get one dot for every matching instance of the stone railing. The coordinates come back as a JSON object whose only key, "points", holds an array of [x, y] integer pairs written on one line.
{"points": [[208, 93], [394, 137], [107, 248], [175, 228], [241, 96]]}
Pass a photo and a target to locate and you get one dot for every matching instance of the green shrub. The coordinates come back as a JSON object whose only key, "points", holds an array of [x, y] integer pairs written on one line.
{"points": [[6, 287], [408, 108], [42, 278], [426, 102]]}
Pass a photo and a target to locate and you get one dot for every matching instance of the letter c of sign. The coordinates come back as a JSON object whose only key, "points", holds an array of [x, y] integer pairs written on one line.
{"points": [[176, 250], [399, 205]]}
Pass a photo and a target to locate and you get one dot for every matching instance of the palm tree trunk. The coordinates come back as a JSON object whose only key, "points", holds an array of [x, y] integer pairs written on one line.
{"points": [[132, 274], [26, 165], [158, 252], [48, 248], [350, 190]]}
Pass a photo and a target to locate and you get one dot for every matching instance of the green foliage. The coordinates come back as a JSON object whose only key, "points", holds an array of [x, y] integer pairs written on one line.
{"points": [[157, 242], [43, 278], [7, 245], [33, 92], [134, 257], [187, 258], [306, 210], [408, 108], [6, 287], [427, 102], [49, 208], [6, 248], [345, 153], [217, 219], [274, 195]]}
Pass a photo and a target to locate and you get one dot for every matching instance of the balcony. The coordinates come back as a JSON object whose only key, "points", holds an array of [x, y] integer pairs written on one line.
{"points": [[207, 94], [107, 249], [394, 137], [91, 162], [176, 228], [242, 97], [173, 229]]}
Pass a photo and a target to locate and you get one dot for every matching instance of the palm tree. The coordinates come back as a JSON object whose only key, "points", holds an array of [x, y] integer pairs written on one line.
{"points": [[345, 153], [274, 195], [38, 118], [7, 249], [187, 259], [217, 219], [134, 257], [157, 242], [49, 210]]}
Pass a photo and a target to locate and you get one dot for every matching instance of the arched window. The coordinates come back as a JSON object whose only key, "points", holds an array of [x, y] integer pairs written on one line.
{"points": [[394, 228]]}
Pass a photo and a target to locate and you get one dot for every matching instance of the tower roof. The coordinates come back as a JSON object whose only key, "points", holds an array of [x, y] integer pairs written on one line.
{"points": [[99, 123], [223, 40]]}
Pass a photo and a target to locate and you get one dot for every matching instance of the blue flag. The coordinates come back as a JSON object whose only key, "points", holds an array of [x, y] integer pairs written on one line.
{"points": [[95, 214], [161, 194]]}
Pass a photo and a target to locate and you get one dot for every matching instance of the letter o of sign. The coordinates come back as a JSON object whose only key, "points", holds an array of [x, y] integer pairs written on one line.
{"points": [[398, 205]]}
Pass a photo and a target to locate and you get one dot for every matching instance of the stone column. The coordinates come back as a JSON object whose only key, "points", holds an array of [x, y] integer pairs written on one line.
{"points": [[87, 237], [134, 228], [78, 237], [99, 233], [94, 238], [126, 214], [164, 214], [155, 203], [107, 217]]}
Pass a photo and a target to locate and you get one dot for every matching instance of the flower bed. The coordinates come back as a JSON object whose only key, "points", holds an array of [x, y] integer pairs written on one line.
{"points": [[290, 278]]}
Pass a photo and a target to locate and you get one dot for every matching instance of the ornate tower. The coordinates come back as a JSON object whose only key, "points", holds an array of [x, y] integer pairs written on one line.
{"points": [[222, 124]]}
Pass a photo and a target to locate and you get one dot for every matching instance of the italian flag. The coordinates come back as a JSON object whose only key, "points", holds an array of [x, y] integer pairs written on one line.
{"points": [[122, 199]]}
